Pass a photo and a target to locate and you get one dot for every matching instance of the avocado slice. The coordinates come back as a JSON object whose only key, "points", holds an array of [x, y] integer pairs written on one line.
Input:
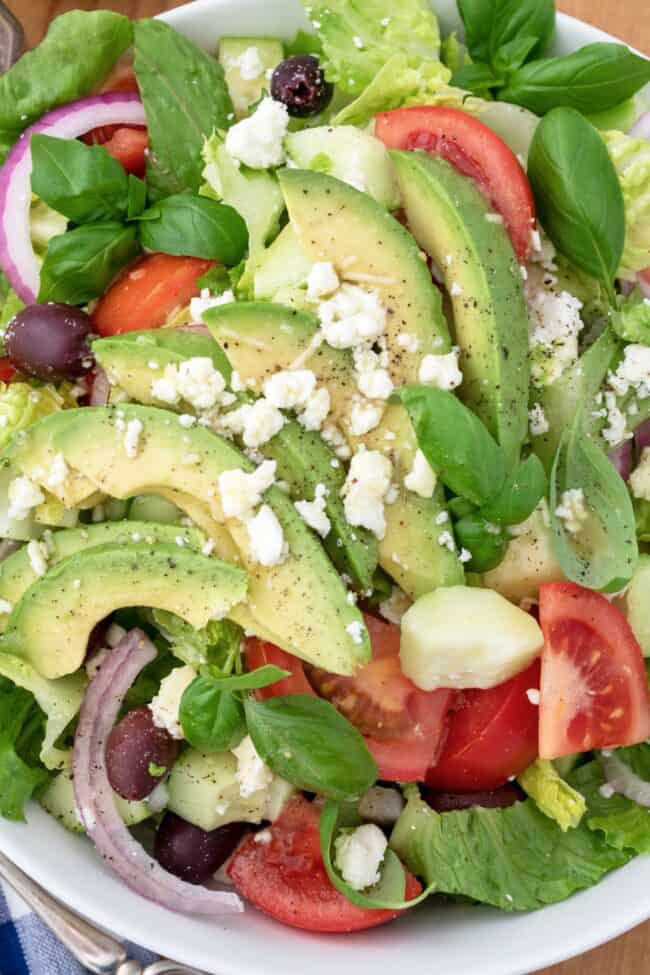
{"points": [[17, 574], [261, 338], [283, 265], [447, 215], [51, 624], [303, 458], [300, 604], [244, 90]]}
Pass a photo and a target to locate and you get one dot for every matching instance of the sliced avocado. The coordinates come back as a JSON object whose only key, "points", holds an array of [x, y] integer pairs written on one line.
{"points": [[58, 799], [204, 790], [530, 560], [447, 215], [261, 338], [349, 154], [336, 223], [283, 265], [245, 90], [299, 604], [52, 622], [20, 530], [152, 507], [636, 603], [17, 573]]}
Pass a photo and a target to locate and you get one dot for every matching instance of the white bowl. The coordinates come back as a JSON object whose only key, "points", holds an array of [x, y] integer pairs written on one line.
{"points": [[438, 937]]}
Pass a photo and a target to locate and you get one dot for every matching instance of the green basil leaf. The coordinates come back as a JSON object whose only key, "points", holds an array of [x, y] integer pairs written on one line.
{"points": [[486, 541], [476, 77], [254, 679], [212, 719], [493, 24], [459, 448], [578, 194], [388, 893], [512, 55], [185, 99], [604, 553], [195, 226], [80, 264], [306, 741], [136, 197], [520, 495], [84, 183], [593, 79]]}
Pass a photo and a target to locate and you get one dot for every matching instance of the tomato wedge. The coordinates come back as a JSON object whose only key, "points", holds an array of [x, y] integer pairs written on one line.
{"points": [[594, 690], [126, 143], [287, 880], [148, 293], [259, 653], [476, 151], [492, 736], [7, 371]]}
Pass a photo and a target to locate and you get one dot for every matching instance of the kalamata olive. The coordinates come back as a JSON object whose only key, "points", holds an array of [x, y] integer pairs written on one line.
{"points": [[443, 802], [299, 83], [50, 341], [189, 852], [138, 754]]}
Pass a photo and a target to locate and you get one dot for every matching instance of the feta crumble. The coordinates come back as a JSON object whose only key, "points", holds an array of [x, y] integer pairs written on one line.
{"points": [[252, 774], [24, 495], [262, 420], [248, 63], [533, 695], [359, 855], [365, 416], [421, 479], [352, 316], [241, 493], [322, 280], [290, 389], [134, 429], [409, 342], [195, 381], [313, 512], [456, 290], [37, 554], [266, 538], [537, 422], [365, 490], [356, 630], [58, 472], [316, 410], [633, 372], [441, 371], [555, 325], [258, 141], [572, 511], [166, 704], [198, 306]]}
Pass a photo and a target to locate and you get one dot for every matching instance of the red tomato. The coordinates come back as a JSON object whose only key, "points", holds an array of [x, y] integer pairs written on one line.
{"points": [[148, 293], [7, 371], [492, 736], [594, 690], [126, 143], [286, 878], [476, 151], [259, 653], [121, 78]]}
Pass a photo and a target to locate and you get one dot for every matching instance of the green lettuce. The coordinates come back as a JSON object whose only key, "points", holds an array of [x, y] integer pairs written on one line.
{"points": [[553, 795], [76, 55], [624, 824], [631, 320], [22, 404], [360, 36], [212, 645], [631, 158], [21, 732], [642, 517]]}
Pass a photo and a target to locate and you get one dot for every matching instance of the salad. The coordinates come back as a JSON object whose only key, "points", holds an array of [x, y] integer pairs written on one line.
{"points": [[325, 484]]}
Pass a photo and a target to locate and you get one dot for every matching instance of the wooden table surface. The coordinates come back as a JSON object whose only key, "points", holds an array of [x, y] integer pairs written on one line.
{"points": [[627, 19]]}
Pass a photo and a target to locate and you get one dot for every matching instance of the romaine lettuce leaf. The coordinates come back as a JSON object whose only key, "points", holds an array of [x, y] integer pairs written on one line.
{"points": [[631, 320], [631, 158], [21, 730], [553, 795], [360, 36], [22, 404], [625, 825], [211, 645]]}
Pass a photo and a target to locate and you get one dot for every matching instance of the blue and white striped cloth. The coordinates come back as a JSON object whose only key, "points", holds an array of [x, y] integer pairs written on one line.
{"points": [[28, 948]]}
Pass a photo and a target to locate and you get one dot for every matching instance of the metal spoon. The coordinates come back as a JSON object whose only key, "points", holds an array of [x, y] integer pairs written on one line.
{"points": [[97, 951]]}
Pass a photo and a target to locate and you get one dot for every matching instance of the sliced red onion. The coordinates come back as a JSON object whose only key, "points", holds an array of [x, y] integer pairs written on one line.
{"points": [[101, 388], [641, 128], [94, 796], [623, 780], [622, 457], [642, 437], [17, 256]]}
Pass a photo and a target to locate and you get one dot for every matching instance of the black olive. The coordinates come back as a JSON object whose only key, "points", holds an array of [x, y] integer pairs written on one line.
{"points": [[50, 341], [299, 83]]}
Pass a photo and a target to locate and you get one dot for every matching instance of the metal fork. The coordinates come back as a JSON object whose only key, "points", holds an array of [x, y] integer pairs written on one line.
{"points": [[97, 951]]}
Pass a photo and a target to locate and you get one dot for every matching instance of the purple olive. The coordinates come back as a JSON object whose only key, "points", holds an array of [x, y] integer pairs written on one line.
{"points": [[50, 341], [138, 755], [189, 852], [299, 83], [444, 802]]}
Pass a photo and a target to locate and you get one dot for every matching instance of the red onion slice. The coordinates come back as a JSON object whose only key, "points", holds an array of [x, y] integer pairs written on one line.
{"points": [[101, 388], [641, 128], [622, 457], [94, 796], [17, 256], [623, 780]]}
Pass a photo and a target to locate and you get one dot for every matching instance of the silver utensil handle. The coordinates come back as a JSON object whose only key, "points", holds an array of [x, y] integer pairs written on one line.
{"points": [[95, 950]]}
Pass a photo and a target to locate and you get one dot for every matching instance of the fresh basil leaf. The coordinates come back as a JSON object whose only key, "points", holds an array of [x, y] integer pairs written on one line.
{"points": [[306, 741], [84, 183], [512, 55], [79, 50], [604, 553], [476, 78], [252, 681], [388, 893], [194, 226], [212, 719], [578, 194], [457, 445], [520, 494], [593, 79], [486, 541], [80, 265], [136, 197], [492, 24], [185, 99]]}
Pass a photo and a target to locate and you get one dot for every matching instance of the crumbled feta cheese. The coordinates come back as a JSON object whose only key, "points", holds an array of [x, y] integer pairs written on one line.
{"points": [[241, 493], [5, 606], [333, 436], [409, 342], [24, 495], [248, 63], [356, 630], [365, 490], [236, 383], [58, 471], [572, 511], [533, 695], [640, 477], [446, 540], [494, 218], [456, 290], [352, 316], [198, 306], [555, 325], [465, 555], [441, 371], [537, 422], [616, 430], [313, 512], [393, 608], [114, 635], [37, 554], [258, 141], [290, 389], [166, 704], [375, 383], [357, 42], [633, 372], [606, 790], [252, 774], [266, 538], [132, 438], [315, 412], [365, 416], [196, 381], [322, 280], [359, 855], [186, 420], [442, 517], [262, 422], [421, 478]]}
